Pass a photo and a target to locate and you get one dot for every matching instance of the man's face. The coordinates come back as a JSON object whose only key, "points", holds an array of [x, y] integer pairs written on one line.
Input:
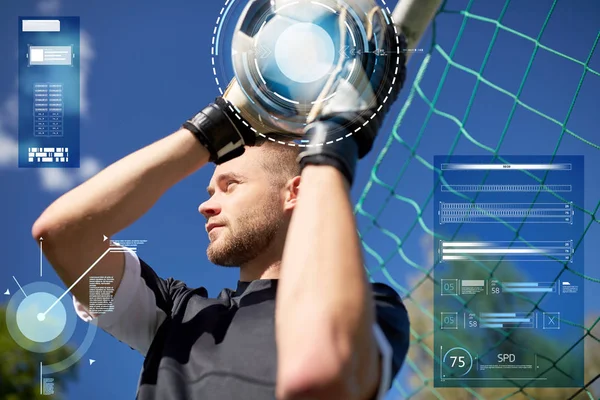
{"points": [[244, 212]]}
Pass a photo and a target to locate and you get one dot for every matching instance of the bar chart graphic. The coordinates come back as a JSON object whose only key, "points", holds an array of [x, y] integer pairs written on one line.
{"points": [[507, 188], [473, 213], [507, 250], [507, 320], [529, 287], [505, 167]]}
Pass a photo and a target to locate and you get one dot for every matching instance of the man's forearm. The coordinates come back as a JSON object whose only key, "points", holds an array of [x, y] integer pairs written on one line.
{"points": [[325, 311], [121, 193]]}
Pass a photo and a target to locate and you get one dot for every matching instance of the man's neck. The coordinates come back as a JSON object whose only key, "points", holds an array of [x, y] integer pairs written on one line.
{"points": [[260, 270], [268, 264]]}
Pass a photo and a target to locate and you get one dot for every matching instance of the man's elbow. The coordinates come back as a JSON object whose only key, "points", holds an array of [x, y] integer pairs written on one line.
{"points": [[325, 380], [39, 228], [47, 228], [314, 383], [55, 228], [55, 236]]}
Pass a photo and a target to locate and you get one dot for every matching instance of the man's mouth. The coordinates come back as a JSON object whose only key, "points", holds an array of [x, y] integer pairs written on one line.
{"points": [[211, 226]]}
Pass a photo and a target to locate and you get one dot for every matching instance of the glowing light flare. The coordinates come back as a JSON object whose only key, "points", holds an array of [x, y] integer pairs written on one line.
{"points": [[305, 52]]}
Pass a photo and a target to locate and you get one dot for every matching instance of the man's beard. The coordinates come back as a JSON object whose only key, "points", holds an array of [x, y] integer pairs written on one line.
{"points": [[254, 232]]}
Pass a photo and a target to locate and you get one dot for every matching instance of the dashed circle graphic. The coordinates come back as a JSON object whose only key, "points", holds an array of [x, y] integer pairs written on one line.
{"points": [[216, 32], [40, 320]]}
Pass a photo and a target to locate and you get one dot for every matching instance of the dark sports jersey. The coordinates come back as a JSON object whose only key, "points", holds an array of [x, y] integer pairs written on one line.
{"points": [[197, 347]]}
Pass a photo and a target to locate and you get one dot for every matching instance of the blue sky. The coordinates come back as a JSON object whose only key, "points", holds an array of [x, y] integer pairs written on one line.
{"points": [[145, 68]]}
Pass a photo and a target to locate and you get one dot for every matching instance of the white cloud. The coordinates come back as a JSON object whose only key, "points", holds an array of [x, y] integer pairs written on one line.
{"points": [[88, 167], [63, 179], [11, 110], [87, 55], [8, 150], [56, 179], [48, 7]]}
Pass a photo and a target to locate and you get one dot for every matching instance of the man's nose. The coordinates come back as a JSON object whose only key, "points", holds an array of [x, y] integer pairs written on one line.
{"points": [[209, 208]]}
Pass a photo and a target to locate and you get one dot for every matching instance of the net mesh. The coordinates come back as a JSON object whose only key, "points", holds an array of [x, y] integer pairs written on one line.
{"points": [[392, 195]]}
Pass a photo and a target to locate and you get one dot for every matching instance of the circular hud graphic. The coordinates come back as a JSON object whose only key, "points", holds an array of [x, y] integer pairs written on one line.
{"points": [[40, 321], [288, 57]]}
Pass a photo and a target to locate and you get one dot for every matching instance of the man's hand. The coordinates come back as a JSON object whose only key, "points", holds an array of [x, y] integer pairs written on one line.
{"points": [[359, 105], [221, 129]]}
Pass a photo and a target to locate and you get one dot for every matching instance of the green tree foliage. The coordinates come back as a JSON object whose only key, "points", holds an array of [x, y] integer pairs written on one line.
{"points": [[20, 368]]}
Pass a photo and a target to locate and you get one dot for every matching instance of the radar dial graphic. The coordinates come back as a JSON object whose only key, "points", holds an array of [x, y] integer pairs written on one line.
{"points": [[37, 325], [38, 320]]}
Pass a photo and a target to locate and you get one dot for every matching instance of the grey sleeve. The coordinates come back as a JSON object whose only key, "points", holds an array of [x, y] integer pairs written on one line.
{"points": [[141, 304]]}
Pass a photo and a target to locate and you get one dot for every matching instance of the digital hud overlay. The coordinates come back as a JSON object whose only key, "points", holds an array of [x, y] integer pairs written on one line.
{"points": [[49, 92], [509, 306]]}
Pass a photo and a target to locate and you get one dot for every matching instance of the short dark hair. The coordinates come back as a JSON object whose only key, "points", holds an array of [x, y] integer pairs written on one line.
{"points": [[281, 156]]}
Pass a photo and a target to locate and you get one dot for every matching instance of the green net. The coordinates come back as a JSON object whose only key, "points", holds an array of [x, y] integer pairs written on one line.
{"points": [[394, 206]]}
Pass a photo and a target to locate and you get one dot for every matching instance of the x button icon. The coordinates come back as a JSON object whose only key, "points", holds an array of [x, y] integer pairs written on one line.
{"points": [[551, 320]]}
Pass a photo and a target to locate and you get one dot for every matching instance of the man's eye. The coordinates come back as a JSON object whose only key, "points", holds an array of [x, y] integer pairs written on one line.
{"points": [[231, 184]]}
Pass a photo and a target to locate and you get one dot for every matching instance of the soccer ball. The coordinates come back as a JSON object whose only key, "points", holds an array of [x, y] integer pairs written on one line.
{"points": [[289, 55]]}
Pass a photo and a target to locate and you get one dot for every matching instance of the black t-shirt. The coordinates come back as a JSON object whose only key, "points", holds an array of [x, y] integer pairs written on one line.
{"points": [[198, 347]]}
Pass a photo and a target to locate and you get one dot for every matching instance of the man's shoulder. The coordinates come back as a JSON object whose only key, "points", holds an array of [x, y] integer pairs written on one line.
{"points": [[386, 297], [193, 298], [380, 289]]}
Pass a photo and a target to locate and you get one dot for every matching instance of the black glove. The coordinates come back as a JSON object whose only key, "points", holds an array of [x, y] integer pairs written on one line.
{"points": [[221, 131], [329, 143]]}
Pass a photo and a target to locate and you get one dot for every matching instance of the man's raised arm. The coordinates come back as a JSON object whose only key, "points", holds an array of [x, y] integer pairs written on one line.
{"points": [[329, 346], [73, 226], [325, 319]]}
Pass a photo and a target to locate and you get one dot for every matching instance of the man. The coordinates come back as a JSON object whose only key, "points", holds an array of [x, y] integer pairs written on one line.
{"points": [[303, 321]]}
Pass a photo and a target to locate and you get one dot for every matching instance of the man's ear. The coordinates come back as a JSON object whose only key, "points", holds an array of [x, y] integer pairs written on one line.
{"points": [[292, 189]]}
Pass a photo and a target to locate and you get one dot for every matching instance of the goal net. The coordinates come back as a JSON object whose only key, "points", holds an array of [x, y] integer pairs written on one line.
{"points": [[491, 78]]}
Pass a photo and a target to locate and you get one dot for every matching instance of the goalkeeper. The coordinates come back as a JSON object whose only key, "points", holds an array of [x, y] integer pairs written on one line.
{"points": [[303, 321]]}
